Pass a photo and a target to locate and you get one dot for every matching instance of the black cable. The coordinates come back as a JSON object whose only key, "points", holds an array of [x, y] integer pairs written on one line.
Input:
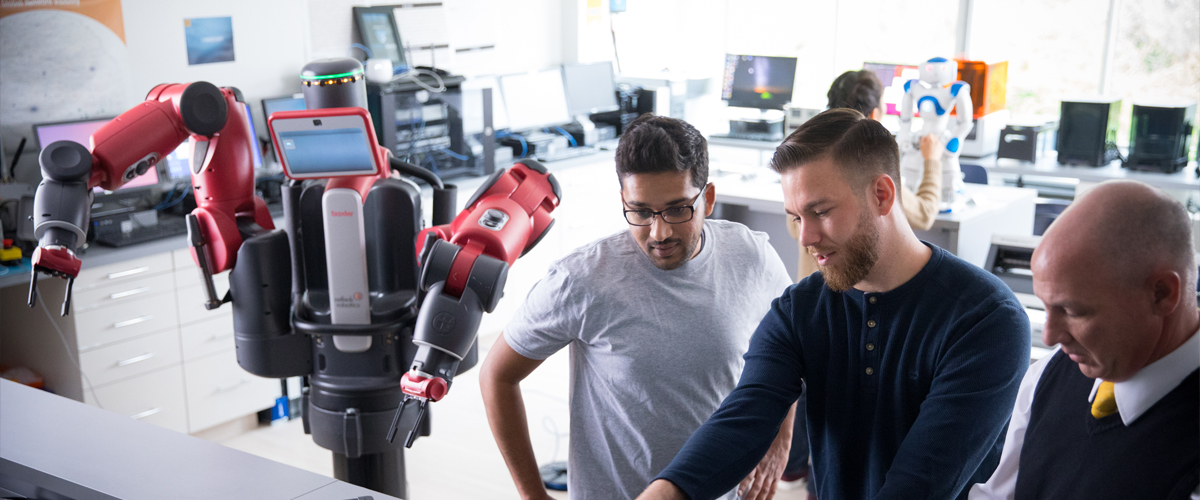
{"points": [[12, 167], [415, 171]]}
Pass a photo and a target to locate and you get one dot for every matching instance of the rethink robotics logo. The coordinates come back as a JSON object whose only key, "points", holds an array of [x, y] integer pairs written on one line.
{"points": [[353, 302]]}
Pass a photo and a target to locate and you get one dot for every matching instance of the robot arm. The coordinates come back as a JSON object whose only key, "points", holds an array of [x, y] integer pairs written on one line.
{"points": [[129, 146], [961, 93], [463, 272]]}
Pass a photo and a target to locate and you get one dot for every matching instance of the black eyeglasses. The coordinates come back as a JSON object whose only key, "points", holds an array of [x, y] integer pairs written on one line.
{"points": [[673, 215]]}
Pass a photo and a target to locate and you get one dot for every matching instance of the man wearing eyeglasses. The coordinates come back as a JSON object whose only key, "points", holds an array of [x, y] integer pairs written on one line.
{"points": [[657, 319]]}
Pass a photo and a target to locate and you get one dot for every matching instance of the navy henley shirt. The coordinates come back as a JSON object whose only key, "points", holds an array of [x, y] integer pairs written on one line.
{"points": [[909, 391]]}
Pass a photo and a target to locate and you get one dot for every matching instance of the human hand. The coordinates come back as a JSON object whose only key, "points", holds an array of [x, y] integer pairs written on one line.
{"points": [[931, 147], [760, 484]]}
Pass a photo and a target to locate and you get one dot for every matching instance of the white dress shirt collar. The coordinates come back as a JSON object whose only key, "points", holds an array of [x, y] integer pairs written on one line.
{"points": [[1153, 382]]}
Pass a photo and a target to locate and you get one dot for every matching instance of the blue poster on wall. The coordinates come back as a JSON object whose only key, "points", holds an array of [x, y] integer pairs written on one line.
{"points": [[209, 39]]}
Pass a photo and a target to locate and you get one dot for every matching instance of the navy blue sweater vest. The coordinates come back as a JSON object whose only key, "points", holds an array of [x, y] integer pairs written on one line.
{"points": [[1069, 454]]}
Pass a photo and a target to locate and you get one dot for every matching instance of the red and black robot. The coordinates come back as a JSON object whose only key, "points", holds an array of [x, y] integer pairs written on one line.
{"points": [[375, 318]]}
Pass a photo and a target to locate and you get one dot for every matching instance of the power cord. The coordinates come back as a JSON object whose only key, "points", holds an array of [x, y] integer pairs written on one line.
{"points": [[67, 346]]}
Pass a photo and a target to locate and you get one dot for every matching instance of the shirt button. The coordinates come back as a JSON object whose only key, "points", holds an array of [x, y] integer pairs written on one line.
{"points": [[870, 347], [870, 371], [872, 300], [870, 323]]}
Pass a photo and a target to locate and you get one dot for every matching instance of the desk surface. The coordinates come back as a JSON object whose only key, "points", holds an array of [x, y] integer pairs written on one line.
{"points": [[88, 453], [758, 189], [1048, 166]]}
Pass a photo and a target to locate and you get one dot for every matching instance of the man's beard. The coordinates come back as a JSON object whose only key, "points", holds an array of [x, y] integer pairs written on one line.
{"points": [[689, 248], [859, 256]]}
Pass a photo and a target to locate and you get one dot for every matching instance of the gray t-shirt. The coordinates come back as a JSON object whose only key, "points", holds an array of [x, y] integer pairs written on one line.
{"points": [[653, 352]]}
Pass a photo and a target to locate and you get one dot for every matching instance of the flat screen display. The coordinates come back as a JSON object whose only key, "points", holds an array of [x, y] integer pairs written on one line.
{"points": [[378, 32], [893, 76], [535, 100], [758, 81], [81, 132], [330, 146], [591, 88]]}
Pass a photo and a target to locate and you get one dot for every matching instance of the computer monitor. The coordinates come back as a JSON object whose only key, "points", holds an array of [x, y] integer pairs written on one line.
{"points": [[892, 76], [377, 29], [758, 81], [535, 100], [81, 131], [179, 161], [591, 88], [472, 104], [292, 102]]}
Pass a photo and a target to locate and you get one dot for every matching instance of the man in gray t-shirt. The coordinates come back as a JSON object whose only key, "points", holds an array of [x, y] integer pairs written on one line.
{"points": [[657, 319]]}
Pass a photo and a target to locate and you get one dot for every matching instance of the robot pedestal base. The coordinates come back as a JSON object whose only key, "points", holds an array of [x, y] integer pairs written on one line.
{"points": [[382, 472]]}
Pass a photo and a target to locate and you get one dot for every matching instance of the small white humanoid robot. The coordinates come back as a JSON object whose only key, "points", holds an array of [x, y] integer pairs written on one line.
{"points": [[936, 94]]}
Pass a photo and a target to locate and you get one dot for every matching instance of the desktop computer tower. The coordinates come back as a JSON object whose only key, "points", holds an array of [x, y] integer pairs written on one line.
{"points": [[1087, 131], [1160, 136]]}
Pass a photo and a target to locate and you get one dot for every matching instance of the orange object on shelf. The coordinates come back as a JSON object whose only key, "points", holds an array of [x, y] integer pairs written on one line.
{"points": [[989, 85]]}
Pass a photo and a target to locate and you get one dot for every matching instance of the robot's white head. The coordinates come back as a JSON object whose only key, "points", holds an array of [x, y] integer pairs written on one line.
{"points": [[939, 71]]}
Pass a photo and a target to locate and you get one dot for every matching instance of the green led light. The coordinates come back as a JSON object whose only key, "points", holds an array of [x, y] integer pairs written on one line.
{"points": [[766, 95], [326, 77]]}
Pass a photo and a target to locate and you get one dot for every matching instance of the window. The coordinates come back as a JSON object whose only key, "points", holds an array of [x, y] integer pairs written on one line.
{"points": [[1156, 56], [1054, 49]]}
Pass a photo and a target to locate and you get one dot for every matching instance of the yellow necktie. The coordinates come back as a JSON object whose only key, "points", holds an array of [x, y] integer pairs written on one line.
{"points": [[1105, 403]]}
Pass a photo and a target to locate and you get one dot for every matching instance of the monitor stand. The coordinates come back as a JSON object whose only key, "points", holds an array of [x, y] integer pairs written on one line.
{"points": [[767, 123]]}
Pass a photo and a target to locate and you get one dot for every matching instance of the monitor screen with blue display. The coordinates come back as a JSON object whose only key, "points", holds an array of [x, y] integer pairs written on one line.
{"points": [[326, 152]]}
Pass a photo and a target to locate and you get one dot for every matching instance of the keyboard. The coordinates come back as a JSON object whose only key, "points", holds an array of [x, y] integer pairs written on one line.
{"points": [[564, 154], [165, 228], [751, 137]]}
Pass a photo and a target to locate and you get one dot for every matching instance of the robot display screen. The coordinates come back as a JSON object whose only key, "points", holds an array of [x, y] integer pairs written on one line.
{"points": [[332, 146], [535, 100], [590, 88], [893, 76], [81, 132], [758, 81]]}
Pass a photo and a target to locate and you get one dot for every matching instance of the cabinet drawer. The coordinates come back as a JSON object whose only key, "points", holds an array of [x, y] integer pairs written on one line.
{"points": [[106, 325], [120, 293], [207, 337], [191, 303], [190, 276], [155, 398], [218, 390], [122, 271], [133, 357]]}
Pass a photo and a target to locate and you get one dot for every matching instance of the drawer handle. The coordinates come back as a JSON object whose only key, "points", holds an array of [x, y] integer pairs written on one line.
{"points": [[127, 293], [130, 272], [231, 387], [136, 359], [147, 413], [134, 321]]}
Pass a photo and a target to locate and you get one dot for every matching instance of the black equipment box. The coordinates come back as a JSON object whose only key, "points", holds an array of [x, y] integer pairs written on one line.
{"points": [[1160, 136], [1087, 131], [1026, 142]]}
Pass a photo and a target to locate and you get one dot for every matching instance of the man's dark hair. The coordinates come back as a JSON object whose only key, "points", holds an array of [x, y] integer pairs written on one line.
{"points": [[858, 90], [653, 144], [861, 147]]}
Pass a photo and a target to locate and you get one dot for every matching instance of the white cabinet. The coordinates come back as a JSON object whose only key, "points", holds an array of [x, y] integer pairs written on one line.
{"points": [[150, 350]]}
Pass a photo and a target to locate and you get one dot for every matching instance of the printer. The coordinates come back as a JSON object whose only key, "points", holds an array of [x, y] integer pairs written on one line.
{"points": [[1010, 259]]}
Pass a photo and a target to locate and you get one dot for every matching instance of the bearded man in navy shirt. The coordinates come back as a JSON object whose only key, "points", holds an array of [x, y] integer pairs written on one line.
{"points": [[910, 356]]}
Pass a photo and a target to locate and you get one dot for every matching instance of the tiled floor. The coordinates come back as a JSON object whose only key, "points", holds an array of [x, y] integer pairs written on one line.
{"points": [[460, 460]]}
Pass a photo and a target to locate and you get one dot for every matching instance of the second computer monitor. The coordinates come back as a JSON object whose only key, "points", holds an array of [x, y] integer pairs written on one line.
{"points": [[535, 100], [591, 88], [758, 81], [893, 77], [80, 131]]}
